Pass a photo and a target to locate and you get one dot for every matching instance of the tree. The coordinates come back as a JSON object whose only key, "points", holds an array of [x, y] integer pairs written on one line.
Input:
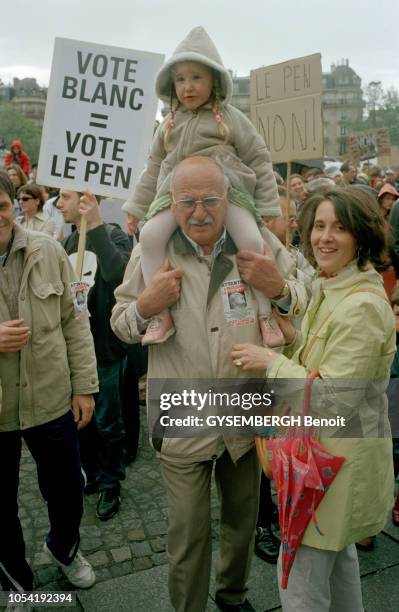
{"points": [[374, 94], [382, 111], [391, 98], [14, 126]]}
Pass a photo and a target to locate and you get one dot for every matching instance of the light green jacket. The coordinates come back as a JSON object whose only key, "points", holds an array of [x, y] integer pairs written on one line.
{"points": [[37, 382], [356, 343]]}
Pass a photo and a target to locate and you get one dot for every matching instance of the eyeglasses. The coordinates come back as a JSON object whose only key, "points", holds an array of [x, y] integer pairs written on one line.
{"points": [[25, 198], [209, 202]]}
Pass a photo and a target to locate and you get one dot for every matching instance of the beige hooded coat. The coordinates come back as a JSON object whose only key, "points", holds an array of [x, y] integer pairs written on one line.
{"points": [[245, 158]]}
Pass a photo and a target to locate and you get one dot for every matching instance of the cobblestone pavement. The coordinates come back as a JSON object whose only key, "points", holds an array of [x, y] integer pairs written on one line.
{"points": [[132, 541]]}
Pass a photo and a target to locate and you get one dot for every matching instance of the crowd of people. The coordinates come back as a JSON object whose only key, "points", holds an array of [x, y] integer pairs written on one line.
{"points": [[236, 273]]}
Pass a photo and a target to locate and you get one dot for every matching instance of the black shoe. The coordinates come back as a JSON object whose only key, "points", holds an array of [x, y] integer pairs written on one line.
{"points": [[108, 504], [267, 545], [242, 607]]}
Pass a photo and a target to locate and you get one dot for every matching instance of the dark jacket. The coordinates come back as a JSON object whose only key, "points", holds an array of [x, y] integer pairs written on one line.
{"points": [[112, 248]]}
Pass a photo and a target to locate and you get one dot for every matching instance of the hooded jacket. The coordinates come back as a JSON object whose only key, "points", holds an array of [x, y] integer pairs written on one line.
{"points": [[387, 188], [245, 158], [21, 158]]}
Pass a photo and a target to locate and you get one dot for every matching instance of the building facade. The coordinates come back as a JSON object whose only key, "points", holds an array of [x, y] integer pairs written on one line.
{"points": [[240, 97], [342, 101], [26, 97]]}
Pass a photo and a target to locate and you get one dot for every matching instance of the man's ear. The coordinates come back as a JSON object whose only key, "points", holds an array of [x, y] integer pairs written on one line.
{"points": [[172, 204]]}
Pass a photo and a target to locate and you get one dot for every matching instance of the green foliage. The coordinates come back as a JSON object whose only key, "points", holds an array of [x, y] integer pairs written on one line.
{"points": [[383, 111], [14, 126]]}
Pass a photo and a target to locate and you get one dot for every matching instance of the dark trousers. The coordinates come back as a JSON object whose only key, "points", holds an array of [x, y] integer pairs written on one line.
{"points": [[130, 404], [102, 440], [266, 504], [55, 449]]}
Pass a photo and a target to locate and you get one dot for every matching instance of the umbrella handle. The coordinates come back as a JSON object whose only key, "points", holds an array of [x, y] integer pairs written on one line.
{"points": [[307, 392]]}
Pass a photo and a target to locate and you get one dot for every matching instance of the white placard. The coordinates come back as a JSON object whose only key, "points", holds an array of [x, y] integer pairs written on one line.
{"points": [[99, 119]]}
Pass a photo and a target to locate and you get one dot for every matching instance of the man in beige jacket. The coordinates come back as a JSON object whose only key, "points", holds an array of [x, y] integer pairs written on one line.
{"points": [[202, 270], [47, 378]]}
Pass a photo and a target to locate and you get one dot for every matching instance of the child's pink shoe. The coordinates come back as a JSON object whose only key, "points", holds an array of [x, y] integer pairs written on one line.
{"points": [[271, 333], [160, 329]]}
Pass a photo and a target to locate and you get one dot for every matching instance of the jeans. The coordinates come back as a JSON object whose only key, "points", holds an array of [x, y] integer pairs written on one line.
{"points": [[102, 441], [55, 449]]}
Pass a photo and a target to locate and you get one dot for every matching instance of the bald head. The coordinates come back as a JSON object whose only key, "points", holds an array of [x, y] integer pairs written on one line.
{"points": [[196, 181], [190, 166]]}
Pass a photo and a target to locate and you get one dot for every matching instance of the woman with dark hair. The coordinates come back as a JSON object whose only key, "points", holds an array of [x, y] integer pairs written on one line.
{"points": [[30, 198], [348, 337]]}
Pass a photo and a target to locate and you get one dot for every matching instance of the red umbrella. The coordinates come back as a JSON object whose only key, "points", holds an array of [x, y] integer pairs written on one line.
{"points": [[303, 471]]}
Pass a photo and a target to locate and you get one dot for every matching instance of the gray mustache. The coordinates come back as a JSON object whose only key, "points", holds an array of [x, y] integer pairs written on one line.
{"points": [[207, 221]]}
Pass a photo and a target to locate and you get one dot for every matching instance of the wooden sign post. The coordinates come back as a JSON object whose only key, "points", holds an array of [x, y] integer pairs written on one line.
{"points": [[286, 110]]}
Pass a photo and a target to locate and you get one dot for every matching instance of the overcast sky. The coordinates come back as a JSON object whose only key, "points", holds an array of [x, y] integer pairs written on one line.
{"points": [[248, 33]]}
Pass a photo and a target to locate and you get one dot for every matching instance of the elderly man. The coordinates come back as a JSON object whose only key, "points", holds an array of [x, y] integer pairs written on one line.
{"points": [[202, 270], [47, 380]]}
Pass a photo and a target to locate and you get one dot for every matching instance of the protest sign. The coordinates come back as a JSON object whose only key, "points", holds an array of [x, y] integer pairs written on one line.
{"points": [[99, 119], [286, 108], [369, 143]]}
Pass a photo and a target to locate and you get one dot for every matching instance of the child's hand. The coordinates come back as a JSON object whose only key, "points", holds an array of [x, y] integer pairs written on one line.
{"points": [[162, 292]]}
